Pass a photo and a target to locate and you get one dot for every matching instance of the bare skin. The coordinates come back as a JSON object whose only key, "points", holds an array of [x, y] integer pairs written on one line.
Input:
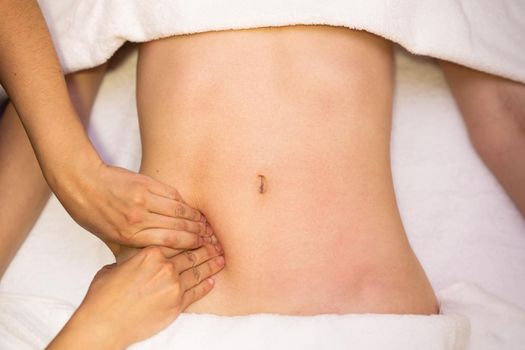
{"points": [[115, 204], [494, 113], [138, 298], [23, 189], [144, 295], [280, 137]]}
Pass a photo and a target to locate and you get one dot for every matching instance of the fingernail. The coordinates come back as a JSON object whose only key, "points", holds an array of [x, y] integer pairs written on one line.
{"points": [[203, 218], [209, 230], [211, 281], [207, 240], [218, 247], [219, 260], [214, 239]]}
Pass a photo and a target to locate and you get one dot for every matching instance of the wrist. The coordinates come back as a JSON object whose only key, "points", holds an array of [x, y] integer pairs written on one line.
{"points": [[66, 150], [70, 168], [87, 329]]}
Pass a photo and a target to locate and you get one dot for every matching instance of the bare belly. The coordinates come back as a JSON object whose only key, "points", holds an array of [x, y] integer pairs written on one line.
{"points": [[281, 138]]}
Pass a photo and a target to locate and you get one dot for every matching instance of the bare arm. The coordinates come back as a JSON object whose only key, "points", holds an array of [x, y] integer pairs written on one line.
{"points": [[113, 203], [23, 189], [494, 111], [33, 79]]}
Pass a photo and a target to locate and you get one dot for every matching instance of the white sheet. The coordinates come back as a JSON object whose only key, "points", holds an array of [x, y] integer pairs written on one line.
{"points": [[484, 34], [461, 224]]}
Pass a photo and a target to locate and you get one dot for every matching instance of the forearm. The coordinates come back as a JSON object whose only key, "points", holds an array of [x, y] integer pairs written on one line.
{"points": [[115, 204], [31, 74], [23, 189], [83, 331]]}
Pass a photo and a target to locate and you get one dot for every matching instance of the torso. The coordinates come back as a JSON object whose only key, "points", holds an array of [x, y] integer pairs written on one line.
{"points": [[309, 109]]}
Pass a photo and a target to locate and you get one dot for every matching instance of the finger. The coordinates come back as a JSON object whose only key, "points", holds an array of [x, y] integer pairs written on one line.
{"points": [[169, 207], [170, 252], [129, 252], [197, 292], [136, 257], [167, 238], [160, 189], [153, 220], [191, 258], [195, 275]]}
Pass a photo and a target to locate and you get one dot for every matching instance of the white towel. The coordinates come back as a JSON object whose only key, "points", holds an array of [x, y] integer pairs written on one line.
{"points": [[30, 323], [484, 34], [471, 319]]}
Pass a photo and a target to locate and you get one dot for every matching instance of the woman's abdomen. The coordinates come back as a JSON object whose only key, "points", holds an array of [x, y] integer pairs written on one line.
{"points": [[281, 138]]}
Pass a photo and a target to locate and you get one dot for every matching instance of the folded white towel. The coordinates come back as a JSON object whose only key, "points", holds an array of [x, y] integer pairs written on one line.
{"points": [[30, 323], [484, 34], [262, 332]]}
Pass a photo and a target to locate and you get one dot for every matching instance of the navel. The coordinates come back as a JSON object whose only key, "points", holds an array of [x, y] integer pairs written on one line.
{"points": [[262, 183]]}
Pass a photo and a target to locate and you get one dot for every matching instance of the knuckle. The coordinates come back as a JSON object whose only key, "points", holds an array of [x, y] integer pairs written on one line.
{"points": [[210, 268], [176, 287], [134, 217], [173, 193], [195, 215], [192, 227], [198, 215], [166, 268], [180, 210], [138, 199], [196, 241], [171, 240], [137, 193], [196, 274], [192, 258], [124, 236]]}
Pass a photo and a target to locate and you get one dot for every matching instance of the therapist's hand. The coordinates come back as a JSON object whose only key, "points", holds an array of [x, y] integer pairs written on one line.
{"points": [[138, 298], [129, 209]]}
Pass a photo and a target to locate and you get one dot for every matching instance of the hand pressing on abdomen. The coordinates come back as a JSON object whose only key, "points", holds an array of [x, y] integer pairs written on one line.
{"points": [[129, 209], [138, 298]]}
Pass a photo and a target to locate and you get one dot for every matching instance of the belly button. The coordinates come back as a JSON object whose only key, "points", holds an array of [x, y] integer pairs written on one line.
{"points": [[262, 183]]}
